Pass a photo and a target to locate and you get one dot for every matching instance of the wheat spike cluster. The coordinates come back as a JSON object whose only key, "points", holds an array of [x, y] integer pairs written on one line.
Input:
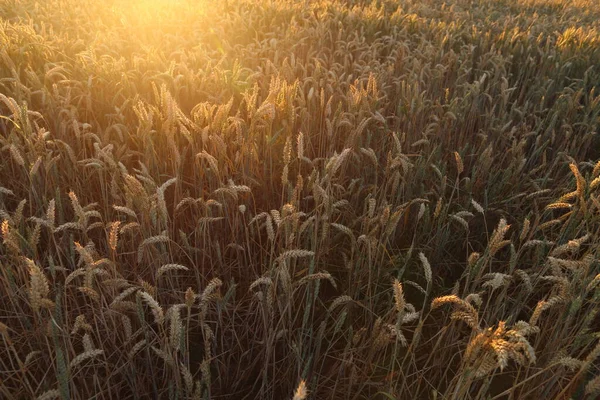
{"points": [[260, 199]]}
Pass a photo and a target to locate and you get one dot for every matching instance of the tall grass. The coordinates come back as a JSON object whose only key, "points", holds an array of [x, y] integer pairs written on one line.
{"points": [[281, 199]]}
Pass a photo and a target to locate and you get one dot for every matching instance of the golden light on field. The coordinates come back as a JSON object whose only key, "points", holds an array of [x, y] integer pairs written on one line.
{"points": [[281, 199]]}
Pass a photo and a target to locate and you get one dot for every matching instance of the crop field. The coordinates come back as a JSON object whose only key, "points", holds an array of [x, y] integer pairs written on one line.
{"points": [[260, 199]]}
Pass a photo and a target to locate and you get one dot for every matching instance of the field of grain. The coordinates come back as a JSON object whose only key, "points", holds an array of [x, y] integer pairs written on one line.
{"points": [[260, 199]]}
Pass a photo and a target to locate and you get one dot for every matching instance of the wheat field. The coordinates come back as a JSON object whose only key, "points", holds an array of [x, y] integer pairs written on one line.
{"points": [[260, 199]]}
